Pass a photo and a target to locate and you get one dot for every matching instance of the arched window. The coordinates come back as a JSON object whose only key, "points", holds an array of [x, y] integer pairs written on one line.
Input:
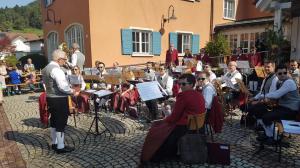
{"points": [[74, 34], [52, 44]]}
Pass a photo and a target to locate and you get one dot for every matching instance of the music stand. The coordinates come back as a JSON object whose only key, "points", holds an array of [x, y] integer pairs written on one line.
{"points": [[102, 95]]}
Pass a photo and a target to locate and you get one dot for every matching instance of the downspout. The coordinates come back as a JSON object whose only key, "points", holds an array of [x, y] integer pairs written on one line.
{"points": [[211, 20]]}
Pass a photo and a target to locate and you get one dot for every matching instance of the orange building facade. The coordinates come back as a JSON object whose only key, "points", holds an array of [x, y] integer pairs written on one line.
{"points": [[135, 31]]}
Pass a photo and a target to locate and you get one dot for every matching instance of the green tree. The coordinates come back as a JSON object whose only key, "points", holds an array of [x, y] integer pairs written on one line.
{"points": [[219, 46]]}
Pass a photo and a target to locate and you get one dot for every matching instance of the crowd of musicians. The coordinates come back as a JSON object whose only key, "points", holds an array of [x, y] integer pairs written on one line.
{"points": [[188, 90]]}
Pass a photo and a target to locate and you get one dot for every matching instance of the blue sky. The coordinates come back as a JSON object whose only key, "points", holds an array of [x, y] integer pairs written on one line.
{"points": [[12, 3]]}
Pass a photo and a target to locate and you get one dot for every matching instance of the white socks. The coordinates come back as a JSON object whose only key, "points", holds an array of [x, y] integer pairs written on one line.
{"points": [[269, 130], [53, 136], [60, 140]]}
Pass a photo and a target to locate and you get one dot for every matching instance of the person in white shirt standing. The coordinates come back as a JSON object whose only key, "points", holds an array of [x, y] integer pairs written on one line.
{"points": [[77, 57], [57, 89]]}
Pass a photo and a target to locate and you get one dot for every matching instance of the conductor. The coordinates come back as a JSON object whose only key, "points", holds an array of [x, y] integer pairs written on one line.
{"points": [[57, 91]]}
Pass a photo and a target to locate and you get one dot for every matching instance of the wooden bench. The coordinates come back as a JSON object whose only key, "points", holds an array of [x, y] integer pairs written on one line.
{"points": [[9, 87]]}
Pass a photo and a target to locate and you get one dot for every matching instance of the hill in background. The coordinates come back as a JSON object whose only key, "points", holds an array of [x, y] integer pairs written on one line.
{"points": [[25, 19]]}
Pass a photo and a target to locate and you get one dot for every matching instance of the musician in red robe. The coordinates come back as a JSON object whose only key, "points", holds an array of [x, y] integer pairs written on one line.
{"points": [[161, 141], [172, 56], [203, 57]]}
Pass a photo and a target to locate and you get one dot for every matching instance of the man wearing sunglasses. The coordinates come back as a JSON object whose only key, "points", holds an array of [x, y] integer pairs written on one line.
{"points": [[57, 91], [188, 102], [208, 90], [288, 100]]}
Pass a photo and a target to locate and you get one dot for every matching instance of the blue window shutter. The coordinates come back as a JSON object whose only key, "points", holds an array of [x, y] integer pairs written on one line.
{"points": [[156, 43], [126, 41], [173, 39], [195, 43]]}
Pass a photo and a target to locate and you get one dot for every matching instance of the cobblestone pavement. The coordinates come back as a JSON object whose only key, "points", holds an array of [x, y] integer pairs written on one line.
{"points": [[122, 150]]}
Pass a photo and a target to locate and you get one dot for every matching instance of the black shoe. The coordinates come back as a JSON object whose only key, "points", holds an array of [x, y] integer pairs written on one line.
{"points": [[54, 147], [262, 138], [66, 149]]}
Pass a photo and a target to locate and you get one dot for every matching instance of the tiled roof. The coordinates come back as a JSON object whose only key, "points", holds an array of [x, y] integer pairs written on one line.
{"points": [[27, 36]]}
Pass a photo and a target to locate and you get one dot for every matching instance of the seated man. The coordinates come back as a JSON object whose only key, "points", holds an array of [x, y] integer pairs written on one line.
{"points": [[162, 139], [288, 99], [229, 81], [294, 71], [256, 106], [212, 76], [208, 90]]}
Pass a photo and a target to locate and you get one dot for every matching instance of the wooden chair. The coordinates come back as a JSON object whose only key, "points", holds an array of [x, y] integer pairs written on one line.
{"points": [[196, 121]]}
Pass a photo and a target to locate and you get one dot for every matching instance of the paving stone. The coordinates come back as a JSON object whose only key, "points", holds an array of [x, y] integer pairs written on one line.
{"points": [[32, 139]]}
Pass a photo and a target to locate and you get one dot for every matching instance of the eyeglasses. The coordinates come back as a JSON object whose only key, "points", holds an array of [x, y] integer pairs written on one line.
{"points": [[282, 73], [183, 83], [198, 79], [101, 67], [206, 66], [65, 59], [76, 69]]}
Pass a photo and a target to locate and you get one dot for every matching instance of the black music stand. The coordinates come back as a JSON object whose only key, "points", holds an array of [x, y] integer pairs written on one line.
{"points": [[97, 119]]}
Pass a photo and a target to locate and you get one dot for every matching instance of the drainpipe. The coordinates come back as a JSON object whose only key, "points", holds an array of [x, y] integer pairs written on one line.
{"points": [[211, 20]]}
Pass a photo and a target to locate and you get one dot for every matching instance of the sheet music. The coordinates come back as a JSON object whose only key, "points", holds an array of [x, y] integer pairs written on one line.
{"points": [[74, 80], [102, 93], [292, 127], [243, 64], [149, 90], [223, 66], [90, 91], [91, 71]]}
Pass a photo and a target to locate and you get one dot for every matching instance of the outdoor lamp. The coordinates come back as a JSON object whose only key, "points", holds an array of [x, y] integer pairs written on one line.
{"points": [[173, 17], [48, 20]]}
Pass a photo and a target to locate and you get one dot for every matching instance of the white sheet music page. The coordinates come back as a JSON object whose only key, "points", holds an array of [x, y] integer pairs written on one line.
{"points": [[292, 127], [149, 90], [102, 93]]}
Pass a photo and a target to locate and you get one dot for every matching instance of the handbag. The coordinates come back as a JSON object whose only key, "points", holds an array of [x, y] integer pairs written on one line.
{"points": [[218, 153], [192, 146]]}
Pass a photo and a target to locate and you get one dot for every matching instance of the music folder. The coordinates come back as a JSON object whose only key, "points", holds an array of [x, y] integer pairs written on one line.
{"points": [[149, 90], [102, 93]]}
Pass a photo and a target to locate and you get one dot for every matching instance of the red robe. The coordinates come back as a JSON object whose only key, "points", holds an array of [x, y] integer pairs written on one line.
{"points": [[187, 103], [44, 114], [172, 57], [205, 59]]}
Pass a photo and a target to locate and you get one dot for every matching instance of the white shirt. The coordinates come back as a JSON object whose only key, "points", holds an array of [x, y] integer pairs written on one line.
{"points": [[60, 78], [287, 86], [208, 93], [212, 76], [74, 58], [236, 75], [272, 88], [167, 81]]}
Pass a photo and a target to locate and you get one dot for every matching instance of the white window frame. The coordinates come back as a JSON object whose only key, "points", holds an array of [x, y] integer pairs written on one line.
{"points": [[77, 36], [52, 43], [48, 2], [182, 41], [226, 9], [140, 31]]}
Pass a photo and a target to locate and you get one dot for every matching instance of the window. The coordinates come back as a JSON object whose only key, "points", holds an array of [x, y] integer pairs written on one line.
{"points": [[52, 44], [229, 9], [74, 34], [48, 2], [233, 41], [141, 42], [184, 42], [244, 42]]}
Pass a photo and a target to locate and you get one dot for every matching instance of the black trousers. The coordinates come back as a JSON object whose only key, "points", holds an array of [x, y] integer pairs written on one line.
{"points": [[170, 146], [59, 110], [257, 110], [153, 108], [279, 113]]}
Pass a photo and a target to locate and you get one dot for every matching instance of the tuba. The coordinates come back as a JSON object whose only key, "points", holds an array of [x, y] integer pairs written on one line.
{"points": [[63, 46]]}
